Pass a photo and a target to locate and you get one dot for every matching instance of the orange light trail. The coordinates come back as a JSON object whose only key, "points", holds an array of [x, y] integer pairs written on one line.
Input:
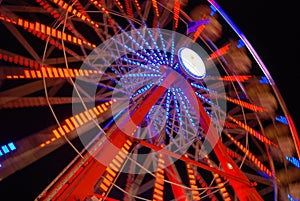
{"points": [[78, 6], [176, 12], [72, 123], [99, 5], [70, 9], [54, 13], [192, 181], [128, 9], [251, 157], [119, 5], [158, 191], [199, 29], [222, 51], [46, 30], [155, 6], [19, 60], [246, 105], [220, 184], [102, 8], [112, 169], [253, 132], [137, 4], [236, 78], [204, 185], [52, 73]]}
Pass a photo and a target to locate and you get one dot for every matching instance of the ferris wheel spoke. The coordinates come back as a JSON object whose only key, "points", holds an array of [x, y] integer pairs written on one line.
{"points": [[23, 41], [122, 50], [26, 89]]}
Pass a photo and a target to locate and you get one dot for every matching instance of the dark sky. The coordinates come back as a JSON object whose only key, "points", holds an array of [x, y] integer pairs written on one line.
{"points": [[272, 30]]}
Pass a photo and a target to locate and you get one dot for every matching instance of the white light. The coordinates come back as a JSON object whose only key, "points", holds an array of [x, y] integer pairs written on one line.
{"points": [[191, 62], [229, 166]]}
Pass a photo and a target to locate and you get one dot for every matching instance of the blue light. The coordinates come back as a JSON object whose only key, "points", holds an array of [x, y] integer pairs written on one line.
{"points": [[193, 26], [132, 50], [138, 64], [225, 16], [153, 41], [294, 161], [185, 105], [263, 174], [291, 198], [177, 107], [11, 146], [140, 46], [145, 41], [176, 66], [282, 119], [204, 88], [163, 44], [5, 149], [264, 80], [213, 10], [241, 43], [168, 104], [206, 100], [145, 88]]}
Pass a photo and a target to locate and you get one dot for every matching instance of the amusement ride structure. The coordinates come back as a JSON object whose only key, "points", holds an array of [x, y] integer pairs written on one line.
{"points": [[159, 99]]}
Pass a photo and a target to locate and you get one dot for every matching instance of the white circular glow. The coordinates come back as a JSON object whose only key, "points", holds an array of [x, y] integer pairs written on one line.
{"points": [[229, 166], [191, 63]]}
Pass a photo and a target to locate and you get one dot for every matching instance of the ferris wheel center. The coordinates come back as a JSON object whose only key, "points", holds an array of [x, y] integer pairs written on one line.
{"points": [[191, 63]]}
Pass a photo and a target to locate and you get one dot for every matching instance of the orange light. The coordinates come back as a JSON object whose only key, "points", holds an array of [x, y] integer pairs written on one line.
{"points": [[114, 161], [122, 154], [250, 156], [39, 74], [105, 188], [61, 131], [56, 134], [128, 9], [137, 5], [119, 158], [67, 130], [252, 131], [83, 117], [111, 172], [104, 107], [155, 6], [100, 109], [223, 50], [176, 12], [74, 122], [246, 105], [33, 75], [110, 178], [69, 124]]}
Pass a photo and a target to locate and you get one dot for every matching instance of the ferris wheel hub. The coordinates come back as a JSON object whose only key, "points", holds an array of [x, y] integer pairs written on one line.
{"points": [[191, 63]]}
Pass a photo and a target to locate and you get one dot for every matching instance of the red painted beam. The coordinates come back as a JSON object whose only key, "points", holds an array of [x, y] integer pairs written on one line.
{"points": [[244, 192], [82, 185], [193, 162], [178, 192]]}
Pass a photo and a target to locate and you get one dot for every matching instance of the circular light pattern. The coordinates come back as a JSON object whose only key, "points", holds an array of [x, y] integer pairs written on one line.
{"points": [[191, 63]]}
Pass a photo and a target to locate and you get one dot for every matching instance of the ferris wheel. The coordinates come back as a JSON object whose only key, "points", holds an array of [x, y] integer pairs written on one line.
{"points": [[167, 99]]}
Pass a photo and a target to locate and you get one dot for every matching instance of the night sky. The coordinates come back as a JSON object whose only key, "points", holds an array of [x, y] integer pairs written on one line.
{"points": [[272, 30]]}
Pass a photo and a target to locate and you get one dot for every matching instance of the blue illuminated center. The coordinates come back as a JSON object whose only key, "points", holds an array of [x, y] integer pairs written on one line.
{"points": [[191, 63]]}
